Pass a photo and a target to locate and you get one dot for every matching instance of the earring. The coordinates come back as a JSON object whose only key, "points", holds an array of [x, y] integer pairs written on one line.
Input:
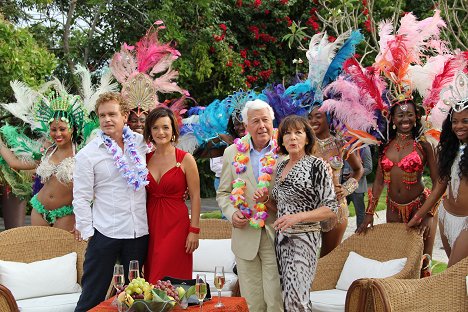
{"points": [[415, 125], [393, 127], [173, 138]]}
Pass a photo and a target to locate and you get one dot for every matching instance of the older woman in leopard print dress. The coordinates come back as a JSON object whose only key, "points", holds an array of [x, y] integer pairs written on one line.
{"points": [[303, 196]]}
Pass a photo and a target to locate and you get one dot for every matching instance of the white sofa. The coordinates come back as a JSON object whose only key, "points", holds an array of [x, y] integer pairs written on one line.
{"points": [[215, 250], [40, 269]]}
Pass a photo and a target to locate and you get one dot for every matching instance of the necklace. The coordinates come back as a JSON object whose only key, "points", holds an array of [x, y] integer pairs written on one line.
{"points": [[259, 214], [402, 141], [136, 176], [326, 145]]}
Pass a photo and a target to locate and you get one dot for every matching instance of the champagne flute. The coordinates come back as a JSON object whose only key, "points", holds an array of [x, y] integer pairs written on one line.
{"points": [[219, 280], [118, 279], [133, 270], [201, 289]]}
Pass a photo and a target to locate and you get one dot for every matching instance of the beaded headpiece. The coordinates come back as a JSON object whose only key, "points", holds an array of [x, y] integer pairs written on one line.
{"points": [[65, 107], [458, 95]]}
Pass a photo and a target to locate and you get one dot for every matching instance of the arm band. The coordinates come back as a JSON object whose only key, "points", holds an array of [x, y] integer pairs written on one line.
{"points": [[372, 204], [350, 186], [194, 230]]}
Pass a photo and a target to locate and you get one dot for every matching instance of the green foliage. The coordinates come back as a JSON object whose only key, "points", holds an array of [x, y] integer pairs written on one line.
{"points": [[22, 58]]}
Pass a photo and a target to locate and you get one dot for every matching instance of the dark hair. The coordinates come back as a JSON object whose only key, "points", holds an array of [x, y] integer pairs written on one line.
{"points": [[154, 115], [230, 126], [447, 151], [296, 122], [392, 132]]}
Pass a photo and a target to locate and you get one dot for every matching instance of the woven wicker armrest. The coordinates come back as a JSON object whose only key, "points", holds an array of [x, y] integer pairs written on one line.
{"points": [[7, 301], [215, 229], [442, 292], [382, 243]]}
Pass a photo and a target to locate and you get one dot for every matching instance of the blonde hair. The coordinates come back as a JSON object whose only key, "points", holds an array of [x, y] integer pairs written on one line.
{"points": [[113, 96]]}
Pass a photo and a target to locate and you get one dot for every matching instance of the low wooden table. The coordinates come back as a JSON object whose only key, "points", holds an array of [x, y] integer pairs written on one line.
{"points": [[231, 304]]}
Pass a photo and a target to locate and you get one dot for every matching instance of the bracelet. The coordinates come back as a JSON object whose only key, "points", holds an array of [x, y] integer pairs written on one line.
{"points": [[266, 201], [194, 230], [372, 204], [350, 185], [434, 209]]}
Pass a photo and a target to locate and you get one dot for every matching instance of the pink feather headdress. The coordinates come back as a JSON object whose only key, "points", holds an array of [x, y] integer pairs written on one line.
{"points": [[409, 45], [144, 70]]}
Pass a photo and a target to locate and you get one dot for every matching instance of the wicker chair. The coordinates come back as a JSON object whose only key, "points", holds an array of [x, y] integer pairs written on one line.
{"points": [[34, 243], [215, 229], [442, 292], [382, 243]]}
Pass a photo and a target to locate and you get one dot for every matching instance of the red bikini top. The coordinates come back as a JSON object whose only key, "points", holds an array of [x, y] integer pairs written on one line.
{"points": [[410, 163]]}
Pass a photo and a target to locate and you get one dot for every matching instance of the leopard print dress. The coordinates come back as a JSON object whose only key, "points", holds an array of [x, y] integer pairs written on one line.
{"points": [[307, 186]]}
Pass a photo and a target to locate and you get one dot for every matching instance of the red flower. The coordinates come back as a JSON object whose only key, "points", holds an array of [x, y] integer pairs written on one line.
{"points": [[254, 30], [331, 39], [212, 50], [255, 53], [252, 79], [265, 74], [239, 3], [223, 27], [248, 85], [312, 23], [229, 63], [218, 38], [257, 3], [365, 12], [364, 2], [286, 18], [256, 63], [243, 53], [316, 2], [247, 63], [357, 56], [267, 12], [312, 11], [283, 2], [368, 24]]}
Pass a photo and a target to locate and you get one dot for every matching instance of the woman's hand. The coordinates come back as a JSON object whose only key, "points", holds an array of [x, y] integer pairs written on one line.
{"points": [[191, 243], [286, 222], [368, 220], [260, 196], [425, 226], [415, 221], [340, 192]]}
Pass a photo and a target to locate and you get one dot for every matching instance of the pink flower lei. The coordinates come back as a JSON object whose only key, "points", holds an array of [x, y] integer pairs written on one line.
{"points": [[259, 214], [136, 177]]}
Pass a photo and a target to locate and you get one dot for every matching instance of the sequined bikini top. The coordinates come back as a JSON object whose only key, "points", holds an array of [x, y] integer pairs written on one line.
{"points": [[411, 163], [63, 171]]}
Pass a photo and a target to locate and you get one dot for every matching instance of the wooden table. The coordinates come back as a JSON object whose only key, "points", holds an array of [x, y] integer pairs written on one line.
{"points": [[231, 304]]}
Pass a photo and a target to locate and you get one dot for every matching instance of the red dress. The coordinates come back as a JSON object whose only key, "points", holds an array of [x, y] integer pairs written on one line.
{"points": [[168, 222]]}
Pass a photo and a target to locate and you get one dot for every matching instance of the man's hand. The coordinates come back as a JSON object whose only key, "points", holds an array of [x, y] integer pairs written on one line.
{"points": [[239, 220], [77, 234]]}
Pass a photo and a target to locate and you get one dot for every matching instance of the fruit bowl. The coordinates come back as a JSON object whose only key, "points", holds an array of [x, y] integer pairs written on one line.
{"points": [[151, 306]]}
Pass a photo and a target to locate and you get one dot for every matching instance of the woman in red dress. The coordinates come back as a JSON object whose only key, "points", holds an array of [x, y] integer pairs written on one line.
{"points": [[173, 235]]}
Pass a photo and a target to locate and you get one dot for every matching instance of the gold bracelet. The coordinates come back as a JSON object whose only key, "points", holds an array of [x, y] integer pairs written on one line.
{"points": [[266, 201]]}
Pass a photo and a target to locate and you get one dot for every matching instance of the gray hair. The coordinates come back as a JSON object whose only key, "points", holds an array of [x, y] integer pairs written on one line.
{"points": [[256, 105]]}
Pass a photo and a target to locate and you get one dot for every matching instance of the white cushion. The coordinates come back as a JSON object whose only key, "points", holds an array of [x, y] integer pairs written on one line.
{"points": [[57, 303], [332, 300], [41, 278], [357, 266], [211, 253], [229, 285]]}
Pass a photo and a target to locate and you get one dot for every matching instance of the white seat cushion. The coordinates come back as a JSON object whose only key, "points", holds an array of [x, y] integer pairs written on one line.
{"points": [[211, 253], [229, 285], [57, 303], [357, 266], [332, 300], [40, 278]]}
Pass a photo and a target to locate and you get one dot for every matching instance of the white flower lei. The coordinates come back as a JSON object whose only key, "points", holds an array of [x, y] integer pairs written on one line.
{"points": [[135, 177]]}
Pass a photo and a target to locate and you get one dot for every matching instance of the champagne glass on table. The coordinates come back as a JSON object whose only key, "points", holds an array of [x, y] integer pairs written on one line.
{"points": [[133, 270], [201, 289], [219, 280], [118, 279]]}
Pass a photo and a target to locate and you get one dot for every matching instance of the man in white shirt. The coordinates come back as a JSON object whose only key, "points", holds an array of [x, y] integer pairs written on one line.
{"points": [[110, 204]]}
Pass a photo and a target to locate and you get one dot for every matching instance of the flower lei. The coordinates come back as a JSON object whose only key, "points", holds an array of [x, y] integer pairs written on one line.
{"points": [[257, 216], [135, 177]]}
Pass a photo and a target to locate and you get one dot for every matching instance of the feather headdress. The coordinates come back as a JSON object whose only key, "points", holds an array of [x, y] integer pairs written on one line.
{"points": [[144, 70], [408, 45]]}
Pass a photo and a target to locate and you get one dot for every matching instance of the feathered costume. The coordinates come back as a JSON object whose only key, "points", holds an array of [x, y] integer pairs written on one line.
{"points": [[144, 70]]}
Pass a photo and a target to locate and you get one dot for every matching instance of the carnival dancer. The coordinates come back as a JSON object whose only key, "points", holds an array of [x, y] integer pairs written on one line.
{"points": [[406, 153], [249, 164], [64, 115], [453, 174], [109, 199]]}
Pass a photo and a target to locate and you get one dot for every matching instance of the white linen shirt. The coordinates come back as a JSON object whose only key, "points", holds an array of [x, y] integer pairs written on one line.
{"points": [[102, 199]]}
